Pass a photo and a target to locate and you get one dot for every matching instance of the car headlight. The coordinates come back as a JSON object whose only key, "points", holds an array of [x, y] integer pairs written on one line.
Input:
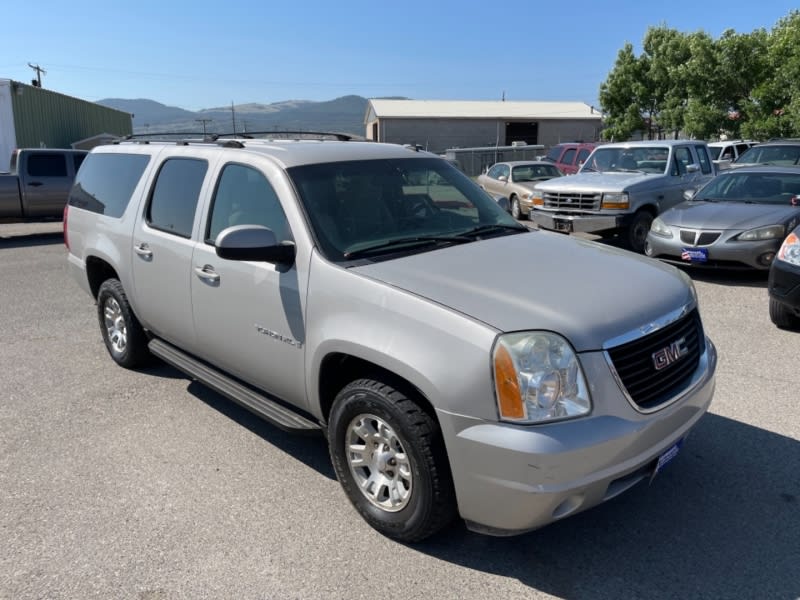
{"points": [[537, 198], [790, 250], [771, 232], [617, 201], [660, 228], [537, 378]]}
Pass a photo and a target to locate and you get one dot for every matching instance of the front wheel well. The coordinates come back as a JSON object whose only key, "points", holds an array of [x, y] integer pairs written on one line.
{"points": [[339, 369]]}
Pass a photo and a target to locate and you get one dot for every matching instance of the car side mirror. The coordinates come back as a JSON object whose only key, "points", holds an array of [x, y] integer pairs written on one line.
{"points": [[253, 242], [502, 178], [693, 168], [689, 194]]}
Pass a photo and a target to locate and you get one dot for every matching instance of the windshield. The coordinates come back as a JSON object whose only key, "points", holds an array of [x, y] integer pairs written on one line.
{"points": [[395, 205], [644, 159], [781, 156], [752, 188], [534, 172]]}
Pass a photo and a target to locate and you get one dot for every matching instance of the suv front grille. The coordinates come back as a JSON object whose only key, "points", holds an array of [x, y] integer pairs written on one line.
{"points": [[699, 238], [655, 367], [574, 201]]}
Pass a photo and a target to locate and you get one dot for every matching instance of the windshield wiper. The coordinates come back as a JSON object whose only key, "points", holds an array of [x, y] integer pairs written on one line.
{"points": [[418, 240], [494, 227]]}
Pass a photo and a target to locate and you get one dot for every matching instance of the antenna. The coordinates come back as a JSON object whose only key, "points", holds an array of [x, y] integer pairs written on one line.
{"points": [[39, 71]]}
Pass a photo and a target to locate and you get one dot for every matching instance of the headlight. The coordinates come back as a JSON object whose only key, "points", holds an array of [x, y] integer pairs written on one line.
{"points": [[770, 232], [790, 250], [616, 201], [537, 378], [537, 198], [660, 228]]}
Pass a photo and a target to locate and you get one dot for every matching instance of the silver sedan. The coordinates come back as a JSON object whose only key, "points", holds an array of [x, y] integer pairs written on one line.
{"points": [[738, 220]]}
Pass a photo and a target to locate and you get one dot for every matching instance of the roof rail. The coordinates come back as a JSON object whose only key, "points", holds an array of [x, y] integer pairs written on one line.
{"points": [[294, 134]]}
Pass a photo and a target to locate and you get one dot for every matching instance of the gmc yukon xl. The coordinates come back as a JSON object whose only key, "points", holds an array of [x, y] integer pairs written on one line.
{"points": [[362, 290]]}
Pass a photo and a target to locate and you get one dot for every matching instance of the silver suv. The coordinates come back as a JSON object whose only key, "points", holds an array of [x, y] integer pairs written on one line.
{"points": [[364, 291]]}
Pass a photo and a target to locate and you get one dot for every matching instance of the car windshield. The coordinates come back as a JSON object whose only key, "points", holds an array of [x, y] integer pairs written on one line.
{"points": [[524, 173], [779, 155], [644, 159], [377, 208], [752, 188]]}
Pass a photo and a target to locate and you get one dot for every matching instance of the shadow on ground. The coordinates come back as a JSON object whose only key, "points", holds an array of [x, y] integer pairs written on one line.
{"points": [[31, 240]]}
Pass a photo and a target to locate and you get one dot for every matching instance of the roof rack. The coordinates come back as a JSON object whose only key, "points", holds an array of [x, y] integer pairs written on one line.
{"points": [[293, 134], [227, 139]]}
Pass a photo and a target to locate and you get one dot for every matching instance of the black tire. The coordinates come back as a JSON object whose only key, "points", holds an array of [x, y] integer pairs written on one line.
{"points": [[122, 333], [516, 211], [636, 234], [783, 316], [413, 463]]}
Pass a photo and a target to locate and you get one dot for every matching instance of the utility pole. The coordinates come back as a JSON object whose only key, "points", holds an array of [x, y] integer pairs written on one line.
{"points": [[39, 71], [233, 117], [204, 121]]}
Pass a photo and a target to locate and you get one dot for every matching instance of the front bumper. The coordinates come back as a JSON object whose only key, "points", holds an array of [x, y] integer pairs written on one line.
{"points": [[723, 253], [510, 479], [570, 223]]}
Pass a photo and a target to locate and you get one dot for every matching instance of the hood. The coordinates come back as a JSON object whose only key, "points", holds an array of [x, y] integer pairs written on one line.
{"points": [[590, 183], [727, 215], [588, 292]]}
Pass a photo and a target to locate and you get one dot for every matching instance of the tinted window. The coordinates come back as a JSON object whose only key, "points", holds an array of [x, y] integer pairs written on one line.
{"points": [[106, 181], [175, 194], [245, 197], [77, 160], [569, 157], [705, 161], [583, 155], [47, 165]]}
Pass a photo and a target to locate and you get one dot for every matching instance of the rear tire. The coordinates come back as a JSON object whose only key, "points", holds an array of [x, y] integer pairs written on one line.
{"points": [[782, 315], [389, 456], [122, 333]]}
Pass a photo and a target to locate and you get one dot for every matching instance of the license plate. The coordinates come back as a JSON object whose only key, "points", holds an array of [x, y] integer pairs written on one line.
{"points": [[666, 458], [695, 254], [563, 225]]}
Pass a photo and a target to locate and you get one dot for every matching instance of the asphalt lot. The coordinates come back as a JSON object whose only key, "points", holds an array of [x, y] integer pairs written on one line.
{"points": [[144, 485]]}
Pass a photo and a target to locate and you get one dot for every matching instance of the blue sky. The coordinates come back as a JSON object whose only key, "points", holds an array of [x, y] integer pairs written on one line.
{"points": [[208, 54]]}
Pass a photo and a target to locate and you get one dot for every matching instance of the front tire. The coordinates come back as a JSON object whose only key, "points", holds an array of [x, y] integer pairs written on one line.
{"points": [[637, 231], [782, 316], [389, 456], [123, 335], [516, 211]]}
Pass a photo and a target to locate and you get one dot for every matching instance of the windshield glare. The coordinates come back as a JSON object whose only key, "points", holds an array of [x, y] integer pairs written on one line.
{"points": [[759, 188], [358, 204], [646, 159]]}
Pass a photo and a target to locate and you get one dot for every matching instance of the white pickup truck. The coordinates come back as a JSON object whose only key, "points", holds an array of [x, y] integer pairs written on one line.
{"points": [[622, 187], [39, 183]]}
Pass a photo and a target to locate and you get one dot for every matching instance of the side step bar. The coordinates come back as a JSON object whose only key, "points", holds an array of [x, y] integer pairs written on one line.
{"points": [[266, 408]]}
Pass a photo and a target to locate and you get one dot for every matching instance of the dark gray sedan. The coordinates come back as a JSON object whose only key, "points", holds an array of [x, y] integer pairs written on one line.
{"points": [[737, 220]]}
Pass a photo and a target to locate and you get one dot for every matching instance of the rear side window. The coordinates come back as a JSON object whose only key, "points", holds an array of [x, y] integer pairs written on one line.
{"points": [[106, 181], [47, 165], [569, 157], [175, 194]]}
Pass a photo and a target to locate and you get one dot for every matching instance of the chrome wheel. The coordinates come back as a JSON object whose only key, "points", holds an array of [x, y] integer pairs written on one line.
{"points": [[378, 462], [116, 328]]}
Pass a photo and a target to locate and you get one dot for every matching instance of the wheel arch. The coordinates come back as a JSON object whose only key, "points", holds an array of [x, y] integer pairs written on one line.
{"points": [[98, 271]]}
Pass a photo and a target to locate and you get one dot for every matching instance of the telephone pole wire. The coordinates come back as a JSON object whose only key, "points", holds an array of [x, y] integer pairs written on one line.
{"points": [[39, 71]]}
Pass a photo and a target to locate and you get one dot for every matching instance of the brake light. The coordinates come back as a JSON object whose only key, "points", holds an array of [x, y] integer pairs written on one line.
{"points": [[66, 237]]}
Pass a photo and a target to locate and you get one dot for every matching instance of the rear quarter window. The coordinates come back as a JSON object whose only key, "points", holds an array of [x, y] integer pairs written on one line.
{"points": [[105, 182]]}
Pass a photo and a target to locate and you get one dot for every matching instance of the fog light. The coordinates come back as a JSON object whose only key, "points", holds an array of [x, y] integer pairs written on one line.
{"points": [[766, 259]]}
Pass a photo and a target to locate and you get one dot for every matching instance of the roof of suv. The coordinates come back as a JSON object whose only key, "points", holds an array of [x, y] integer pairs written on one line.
{"points": [[293, 152]]}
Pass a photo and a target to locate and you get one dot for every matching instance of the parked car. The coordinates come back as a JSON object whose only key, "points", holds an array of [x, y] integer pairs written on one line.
{"points": [[373, 292], [778, 153], [784, 283], [569, 156], [515, 181], [725, 152], [39, 183], [737, 220], [621, 188]]}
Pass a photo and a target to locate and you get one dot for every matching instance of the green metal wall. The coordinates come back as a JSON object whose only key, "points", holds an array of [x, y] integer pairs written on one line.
{"points": [[43, 117]]}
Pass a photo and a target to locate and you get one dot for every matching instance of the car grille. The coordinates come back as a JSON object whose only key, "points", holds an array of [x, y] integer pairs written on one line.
{"points": [[699, 238], [573, 201], [635, 362]]}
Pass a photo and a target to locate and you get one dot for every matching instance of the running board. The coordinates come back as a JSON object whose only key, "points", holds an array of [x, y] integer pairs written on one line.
{"points": [[266, 408]]}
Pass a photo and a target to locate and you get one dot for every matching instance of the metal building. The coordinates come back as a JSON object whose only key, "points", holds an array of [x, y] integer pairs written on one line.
{"points": [[439, 125], [34, 117]]}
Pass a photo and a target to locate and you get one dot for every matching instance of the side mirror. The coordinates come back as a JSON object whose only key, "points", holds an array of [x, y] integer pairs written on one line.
{"points": [[502, 178], [253, 242], [689, 194], [693, 168], [503, 203]]}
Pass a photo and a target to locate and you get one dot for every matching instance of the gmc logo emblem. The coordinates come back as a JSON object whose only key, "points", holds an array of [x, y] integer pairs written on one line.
{"points": [[672, 353]]}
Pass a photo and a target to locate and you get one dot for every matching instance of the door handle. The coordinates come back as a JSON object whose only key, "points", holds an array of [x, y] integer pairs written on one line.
{"points": [[35, 183], [208, 273], [143, 250]]}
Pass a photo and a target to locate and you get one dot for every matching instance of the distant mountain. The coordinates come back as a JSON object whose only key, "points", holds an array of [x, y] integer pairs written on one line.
{"points": [[345, 115]]}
